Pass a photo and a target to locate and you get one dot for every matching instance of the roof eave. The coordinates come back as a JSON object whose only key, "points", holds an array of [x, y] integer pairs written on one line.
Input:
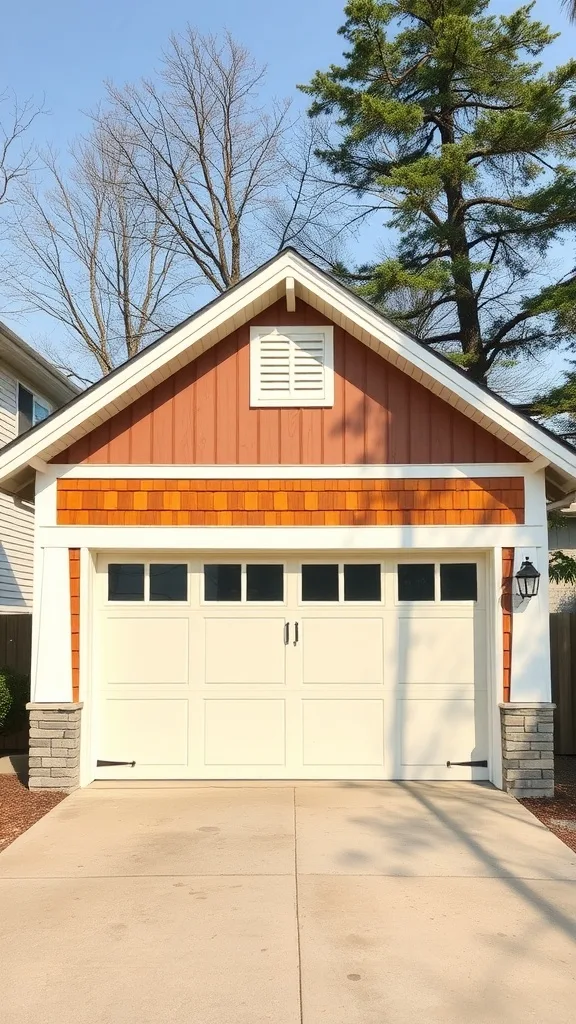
{"points": [[35, 368]]}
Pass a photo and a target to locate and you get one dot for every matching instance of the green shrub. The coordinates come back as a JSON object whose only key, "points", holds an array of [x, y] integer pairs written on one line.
{"points": [[5, 699], [14, 694]]}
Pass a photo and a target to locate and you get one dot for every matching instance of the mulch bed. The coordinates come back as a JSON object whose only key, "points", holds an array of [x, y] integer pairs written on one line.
{"points": [[559, 814], [19, 808]]}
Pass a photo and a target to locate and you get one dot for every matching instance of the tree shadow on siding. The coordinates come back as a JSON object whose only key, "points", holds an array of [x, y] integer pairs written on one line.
{"points": [[11, 595]]}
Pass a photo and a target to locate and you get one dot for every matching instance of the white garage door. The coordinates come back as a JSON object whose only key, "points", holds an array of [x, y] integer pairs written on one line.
{"points": [[290, 668]]}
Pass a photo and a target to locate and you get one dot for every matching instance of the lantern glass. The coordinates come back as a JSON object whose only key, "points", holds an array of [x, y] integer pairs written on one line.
{"points": [[528, 580]]}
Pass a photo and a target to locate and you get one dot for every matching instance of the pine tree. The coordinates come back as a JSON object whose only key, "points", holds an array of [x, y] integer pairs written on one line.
{"points": [[444, 120]]}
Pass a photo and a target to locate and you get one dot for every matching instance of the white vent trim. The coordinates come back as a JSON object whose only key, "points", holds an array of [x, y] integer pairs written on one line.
{"points": [[291, 366]]}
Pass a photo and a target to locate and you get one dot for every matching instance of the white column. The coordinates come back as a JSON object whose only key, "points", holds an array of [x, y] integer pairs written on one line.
{"points": [[530, 681], [51, 678]]}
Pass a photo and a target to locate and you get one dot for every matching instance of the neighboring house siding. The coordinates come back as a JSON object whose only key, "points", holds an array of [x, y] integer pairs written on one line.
{"points": [[8, 407], [16, 550], [563, 538], [16, 517], [202, 415]]}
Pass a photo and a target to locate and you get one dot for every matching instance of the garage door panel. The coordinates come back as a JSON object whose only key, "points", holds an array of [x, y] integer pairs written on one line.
{"points": [[147, 650], [432, 732], [343, 732], [245, 650], [435, 650], [150, 732], [250, 731], [362, 690], [342, 650]]}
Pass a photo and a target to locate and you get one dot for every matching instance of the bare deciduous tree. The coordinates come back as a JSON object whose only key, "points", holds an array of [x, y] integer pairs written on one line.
{"points": [[95, 259], [187, 180], [16, 156], [220, 169]]}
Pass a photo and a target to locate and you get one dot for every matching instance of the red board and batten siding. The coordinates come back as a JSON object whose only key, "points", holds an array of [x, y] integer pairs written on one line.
{"points": [[202, 416]]}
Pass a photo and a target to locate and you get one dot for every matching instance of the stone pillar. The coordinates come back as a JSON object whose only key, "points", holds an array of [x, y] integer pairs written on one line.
{"points": [[528, 749], [54, 760]]}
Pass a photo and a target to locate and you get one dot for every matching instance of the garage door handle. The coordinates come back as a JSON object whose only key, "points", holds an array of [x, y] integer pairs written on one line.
{"points": [[115, 764], [286, 633], [467, 764], [295, 633]]}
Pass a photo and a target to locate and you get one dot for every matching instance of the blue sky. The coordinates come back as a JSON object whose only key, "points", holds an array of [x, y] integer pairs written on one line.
{"points": [[65, 50]]}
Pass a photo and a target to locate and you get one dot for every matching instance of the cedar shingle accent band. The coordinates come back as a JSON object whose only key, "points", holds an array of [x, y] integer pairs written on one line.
{"points": [[507, 619], [486, 501], [74, 563]]}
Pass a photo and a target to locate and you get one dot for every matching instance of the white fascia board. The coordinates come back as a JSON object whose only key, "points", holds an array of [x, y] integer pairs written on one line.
{"points": [[298, 538], [405, 346], [464, 471], [185, 338]]}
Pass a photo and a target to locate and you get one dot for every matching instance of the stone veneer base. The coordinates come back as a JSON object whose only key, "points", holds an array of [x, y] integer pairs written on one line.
{"points": [[54, 758], [528, 749]]}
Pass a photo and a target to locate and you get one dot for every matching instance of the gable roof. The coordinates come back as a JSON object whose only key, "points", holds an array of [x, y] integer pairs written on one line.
{"points": [[35, 370], [224, 314]]}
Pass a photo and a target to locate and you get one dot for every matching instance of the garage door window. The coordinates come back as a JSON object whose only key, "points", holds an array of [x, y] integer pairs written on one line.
{"points": [[358, 582], [156, 582], [264, 582], [362, 582], [168, 582], [458, 581], [222, 582], [320, 582], [125, 582], [416, 582], [449, 581], [261, 582]]}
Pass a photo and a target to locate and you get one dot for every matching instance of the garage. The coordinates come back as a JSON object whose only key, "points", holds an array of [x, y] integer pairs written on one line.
{"points": [[288, 540], [284, 667]]}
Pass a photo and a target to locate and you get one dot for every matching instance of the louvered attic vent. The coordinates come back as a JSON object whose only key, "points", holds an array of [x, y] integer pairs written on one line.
{"points": [[291, 368]]}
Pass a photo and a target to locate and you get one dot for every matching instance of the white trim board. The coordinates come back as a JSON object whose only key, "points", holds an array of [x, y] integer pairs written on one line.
{"points": [[239, 305], [291, 538], [87, 471]]}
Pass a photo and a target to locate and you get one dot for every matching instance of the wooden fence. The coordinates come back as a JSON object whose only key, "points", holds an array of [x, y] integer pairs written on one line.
{"points": [[563, 657], [15, 652], [16, 642]]}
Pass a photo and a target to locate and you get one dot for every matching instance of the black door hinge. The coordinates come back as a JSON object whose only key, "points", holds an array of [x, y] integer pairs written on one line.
{"points": [[467, 764], [115, 764]]}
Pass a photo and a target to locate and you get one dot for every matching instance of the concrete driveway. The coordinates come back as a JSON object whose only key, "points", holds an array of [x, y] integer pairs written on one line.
{"points": [[416, 903]]}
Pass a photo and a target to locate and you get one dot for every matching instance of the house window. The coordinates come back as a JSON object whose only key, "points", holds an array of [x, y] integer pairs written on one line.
{"points": [[291, 366], [31, 410]]}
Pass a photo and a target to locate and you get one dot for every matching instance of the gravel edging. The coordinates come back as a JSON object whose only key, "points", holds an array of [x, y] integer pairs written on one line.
{"points": [[19, 808]]}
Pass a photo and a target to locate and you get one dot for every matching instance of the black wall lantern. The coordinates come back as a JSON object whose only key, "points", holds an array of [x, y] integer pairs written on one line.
{"points": [[528, 580]]}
